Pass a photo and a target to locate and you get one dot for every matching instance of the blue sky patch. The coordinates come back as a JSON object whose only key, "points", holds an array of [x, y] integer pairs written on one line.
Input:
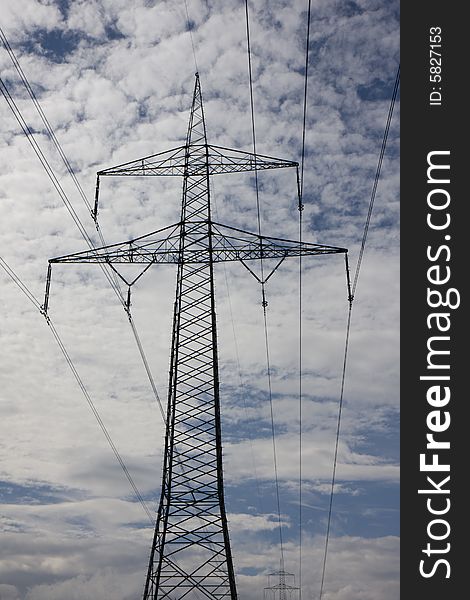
{"points": [[375, 90], [36, 493], [56, 44]]}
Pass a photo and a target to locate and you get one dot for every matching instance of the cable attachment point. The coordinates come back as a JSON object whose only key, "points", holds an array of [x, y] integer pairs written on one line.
{"points": [[264, 302], [94, 212], [348, 281], [45, 306], [300, 205], [95, 219]]}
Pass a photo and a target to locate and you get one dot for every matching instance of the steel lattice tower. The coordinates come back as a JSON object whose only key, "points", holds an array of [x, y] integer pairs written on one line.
{"points": [[281, 590], [190, 555], [191, 547]]}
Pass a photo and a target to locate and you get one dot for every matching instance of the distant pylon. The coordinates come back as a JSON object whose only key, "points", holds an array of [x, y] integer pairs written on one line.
{"points": [[278, 588], [190, 555]]}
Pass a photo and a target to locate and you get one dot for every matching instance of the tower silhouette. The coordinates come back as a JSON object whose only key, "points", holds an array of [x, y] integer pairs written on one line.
{"points": [[281, 589], [190, 555]]}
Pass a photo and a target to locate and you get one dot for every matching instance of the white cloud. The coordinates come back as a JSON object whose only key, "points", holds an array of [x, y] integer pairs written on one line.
{"points": [[104, 584]]}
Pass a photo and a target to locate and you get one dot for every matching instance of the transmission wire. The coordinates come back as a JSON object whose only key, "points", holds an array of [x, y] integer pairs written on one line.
{"points": [[36, 103], [29, 135], [237, 356], [44, 162], [376, 180], [348, 326], [55, 182], [53, 137], [22, 286], [268, 365], [304, 119], [47, 167], [26, 291], [264, 303], [300, 187], [253, 129], [188, 24], [112, 279]]}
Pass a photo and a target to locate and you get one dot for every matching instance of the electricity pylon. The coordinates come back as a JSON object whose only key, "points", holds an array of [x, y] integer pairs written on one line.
{"points": [[281, 590], [190, 555]]}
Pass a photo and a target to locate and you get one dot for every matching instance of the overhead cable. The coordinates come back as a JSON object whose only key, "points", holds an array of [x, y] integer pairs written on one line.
{"points": [[25, 290], [376, 179], [351, 299], [111, 277], [263, 292], [300, 186]]}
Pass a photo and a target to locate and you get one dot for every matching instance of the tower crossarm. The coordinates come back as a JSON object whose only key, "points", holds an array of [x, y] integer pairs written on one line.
{"points": [[228, 244], [218, 160]]}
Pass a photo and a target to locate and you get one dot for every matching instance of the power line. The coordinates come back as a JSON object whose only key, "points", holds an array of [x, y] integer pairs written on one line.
{"points": [[53, 137], [300, 402], [111, 277], [242, 384], [46, 165], [55, 182], [348, 326], [188, 24], [253, 129], [36, 147], [44, 119], [304, 117], [25, 290], [273, 434], [300, 188], [43, 160], [376, 179], [263, 291], [335, 459], [99, 420]]}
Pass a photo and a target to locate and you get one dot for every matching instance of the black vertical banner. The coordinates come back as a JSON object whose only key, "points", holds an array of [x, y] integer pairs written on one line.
{"points": [[434, 354]]}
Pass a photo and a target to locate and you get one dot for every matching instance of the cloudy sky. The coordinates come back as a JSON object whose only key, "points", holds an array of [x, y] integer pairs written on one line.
{"points": [[115, 79]]}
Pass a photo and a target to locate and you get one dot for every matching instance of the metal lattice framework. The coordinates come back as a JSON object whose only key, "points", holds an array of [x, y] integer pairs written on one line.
{"points": [[228, 244], [281, 590], [190, 555]]}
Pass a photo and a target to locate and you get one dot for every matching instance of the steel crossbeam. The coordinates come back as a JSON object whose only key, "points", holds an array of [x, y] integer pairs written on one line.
{"points": [[220, 160], [226, 247]]}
